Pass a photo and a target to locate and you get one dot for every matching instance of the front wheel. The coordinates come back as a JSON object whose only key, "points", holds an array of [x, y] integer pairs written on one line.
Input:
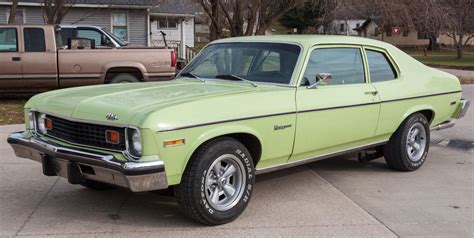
{"points": [[217, 183], [408, 147]]}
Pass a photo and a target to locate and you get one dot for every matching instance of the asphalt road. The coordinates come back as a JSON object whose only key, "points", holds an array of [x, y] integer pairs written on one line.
{"points": [[335, 197]]}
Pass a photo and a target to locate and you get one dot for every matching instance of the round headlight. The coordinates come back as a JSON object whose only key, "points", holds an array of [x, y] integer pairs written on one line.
{"points": [[135, 143], [41, 125]]}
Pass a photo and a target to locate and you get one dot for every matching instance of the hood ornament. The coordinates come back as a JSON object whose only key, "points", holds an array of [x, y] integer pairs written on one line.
{"points": [[111, 116]]}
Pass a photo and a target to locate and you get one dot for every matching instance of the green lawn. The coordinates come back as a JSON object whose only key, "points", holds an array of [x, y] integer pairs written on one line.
{"points": [[445, 58]]}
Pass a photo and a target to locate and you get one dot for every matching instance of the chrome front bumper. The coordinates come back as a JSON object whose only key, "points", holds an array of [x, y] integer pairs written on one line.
{"points": [[77, 165]]}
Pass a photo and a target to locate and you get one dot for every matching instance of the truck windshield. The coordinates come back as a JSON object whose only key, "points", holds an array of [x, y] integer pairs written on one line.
{"points": [[116, 38], [256, 62]]}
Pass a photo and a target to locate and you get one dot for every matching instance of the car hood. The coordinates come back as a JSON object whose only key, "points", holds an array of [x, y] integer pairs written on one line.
{"points": [[130, 102]]}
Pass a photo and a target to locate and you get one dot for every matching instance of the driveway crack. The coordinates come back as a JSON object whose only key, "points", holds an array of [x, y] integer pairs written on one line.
{"points": [[36, 207]]}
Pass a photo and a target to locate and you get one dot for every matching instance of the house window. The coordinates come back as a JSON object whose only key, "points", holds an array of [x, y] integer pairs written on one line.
{"points": [[19, 16], [120, 25], [167, 23], [341, 28]]}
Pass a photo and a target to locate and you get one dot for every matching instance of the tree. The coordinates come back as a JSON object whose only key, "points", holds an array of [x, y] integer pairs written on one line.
{"points": [[11, 18], [244, 17], [459, 15], [56, 10], [301, 17]]}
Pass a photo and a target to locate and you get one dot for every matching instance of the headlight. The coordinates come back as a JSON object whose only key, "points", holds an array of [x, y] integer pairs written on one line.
{"points": [[41, 123], [134, 139]]}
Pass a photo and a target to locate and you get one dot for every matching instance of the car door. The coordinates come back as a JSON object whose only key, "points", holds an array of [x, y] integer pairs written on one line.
{"points": [[39, 58], [340, 113], [10, 60]]}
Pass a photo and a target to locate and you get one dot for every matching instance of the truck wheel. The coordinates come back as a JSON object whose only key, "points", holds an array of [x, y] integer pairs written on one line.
{"points": [[408, 146], [217, 183], [124, 78], [95, 185]]}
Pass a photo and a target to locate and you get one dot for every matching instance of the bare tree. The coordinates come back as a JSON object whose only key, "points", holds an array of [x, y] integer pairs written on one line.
{"points": [[56, 10], [11, 18], [246, 17], [459, 15]]}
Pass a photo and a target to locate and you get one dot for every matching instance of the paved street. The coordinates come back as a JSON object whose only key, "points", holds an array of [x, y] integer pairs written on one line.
{"points": [[335, 197]]}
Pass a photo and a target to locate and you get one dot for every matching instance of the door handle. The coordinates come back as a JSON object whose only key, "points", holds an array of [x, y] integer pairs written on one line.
{"points": [[16, 58], [372, 92]]}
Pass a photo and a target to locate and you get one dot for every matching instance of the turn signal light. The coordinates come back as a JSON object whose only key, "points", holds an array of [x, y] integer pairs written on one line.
{"points": [[112, 137], [170, 143], [48, 123]]}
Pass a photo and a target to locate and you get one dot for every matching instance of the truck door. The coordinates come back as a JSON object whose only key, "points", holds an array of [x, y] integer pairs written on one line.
{"points": [[10, 60], [39, 58]]}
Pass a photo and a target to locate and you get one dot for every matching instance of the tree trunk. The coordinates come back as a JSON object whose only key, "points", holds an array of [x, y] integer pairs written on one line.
{"points": [[215, 32], [459, 52], [433, 45], [11, 18]]}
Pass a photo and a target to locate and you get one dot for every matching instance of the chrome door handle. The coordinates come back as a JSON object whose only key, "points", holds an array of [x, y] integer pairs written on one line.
{"points": [[372, 92]]}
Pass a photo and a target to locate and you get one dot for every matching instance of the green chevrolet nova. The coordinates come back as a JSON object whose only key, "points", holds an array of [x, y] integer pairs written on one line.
{"points": [[244, 106]]}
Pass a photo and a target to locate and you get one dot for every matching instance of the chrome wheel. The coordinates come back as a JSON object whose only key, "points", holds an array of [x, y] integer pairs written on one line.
{"points": [[224, 183], [416, 142]]}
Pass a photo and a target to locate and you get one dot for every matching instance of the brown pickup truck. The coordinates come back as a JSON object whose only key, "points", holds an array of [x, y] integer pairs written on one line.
{"points": [[33, 59]]}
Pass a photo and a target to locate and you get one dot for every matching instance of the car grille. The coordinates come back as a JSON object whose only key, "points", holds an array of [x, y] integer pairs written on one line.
{"points": [[85, 133]]}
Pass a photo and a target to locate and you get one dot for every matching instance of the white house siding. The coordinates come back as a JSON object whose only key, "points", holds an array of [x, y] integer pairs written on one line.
{"points": [[3, 14], [137, 20], [173, 35], [189, 32]]}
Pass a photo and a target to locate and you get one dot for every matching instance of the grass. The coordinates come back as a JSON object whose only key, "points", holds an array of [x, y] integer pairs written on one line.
{"points": [[445, 58], [11, 111]]}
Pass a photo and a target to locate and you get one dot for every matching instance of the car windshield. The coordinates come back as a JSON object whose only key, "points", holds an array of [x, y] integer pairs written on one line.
{"points": [[116, 38], [256, 62]]}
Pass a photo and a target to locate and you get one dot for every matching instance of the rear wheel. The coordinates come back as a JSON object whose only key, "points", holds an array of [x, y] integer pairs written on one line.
{"points": [[408, 147], [124, 78], [217, 183]]}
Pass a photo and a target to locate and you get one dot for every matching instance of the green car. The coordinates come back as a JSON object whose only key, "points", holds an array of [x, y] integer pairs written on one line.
{"points": [[244, 106]]}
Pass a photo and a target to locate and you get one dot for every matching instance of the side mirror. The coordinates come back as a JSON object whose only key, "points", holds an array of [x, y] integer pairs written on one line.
{"points": [[320, 78]]}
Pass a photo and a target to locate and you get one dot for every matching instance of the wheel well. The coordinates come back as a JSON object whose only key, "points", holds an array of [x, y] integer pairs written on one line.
{"points": [[111, 73], [251, 142], [428, 114]]}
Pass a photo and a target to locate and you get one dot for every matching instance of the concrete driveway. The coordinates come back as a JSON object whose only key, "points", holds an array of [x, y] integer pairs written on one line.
{"points": [[335, 197]]}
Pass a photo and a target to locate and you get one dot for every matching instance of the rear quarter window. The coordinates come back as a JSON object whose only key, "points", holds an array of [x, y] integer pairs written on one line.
{"points": [[380, 67]]}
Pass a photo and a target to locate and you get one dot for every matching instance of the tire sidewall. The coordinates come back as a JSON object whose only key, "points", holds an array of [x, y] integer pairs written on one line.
{"points": [[414, 165], [225, 147], [124, 78]]}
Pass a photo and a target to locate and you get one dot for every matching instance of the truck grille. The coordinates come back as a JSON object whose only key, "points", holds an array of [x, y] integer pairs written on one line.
{"points": [[85, 133]]}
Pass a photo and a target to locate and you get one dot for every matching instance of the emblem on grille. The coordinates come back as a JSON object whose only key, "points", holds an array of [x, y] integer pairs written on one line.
{"points": [[111, 117]]}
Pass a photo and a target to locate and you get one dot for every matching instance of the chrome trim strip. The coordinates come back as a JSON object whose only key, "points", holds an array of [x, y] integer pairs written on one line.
{"points": [[316, 158], [304, 111]]}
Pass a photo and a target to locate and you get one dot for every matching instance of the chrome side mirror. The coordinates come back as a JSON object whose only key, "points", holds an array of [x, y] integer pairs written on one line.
{"points": [[320, 77]]}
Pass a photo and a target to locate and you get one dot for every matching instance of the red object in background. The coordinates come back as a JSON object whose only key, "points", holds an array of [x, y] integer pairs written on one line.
{"points": [[396, 30], [425, 52]]}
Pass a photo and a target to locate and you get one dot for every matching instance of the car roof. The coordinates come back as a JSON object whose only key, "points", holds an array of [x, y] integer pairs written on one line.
{"points": [[309, 40]]}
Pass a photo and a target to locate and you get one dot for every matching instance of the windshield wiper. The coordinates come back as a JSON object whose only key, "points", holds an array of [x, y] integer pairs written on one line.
{"points": [[191, 75], [235, 77]]}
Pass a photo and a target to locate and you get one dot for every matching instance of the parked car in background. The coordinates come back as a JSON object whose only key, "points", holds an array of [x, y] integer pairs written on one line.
{"points": [[33, 59], [243, 106]]}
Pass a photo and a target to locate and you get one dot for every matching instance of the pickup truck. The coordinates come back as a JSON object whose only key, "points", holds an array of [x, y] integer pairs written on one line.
{"points": [[34, 59]]}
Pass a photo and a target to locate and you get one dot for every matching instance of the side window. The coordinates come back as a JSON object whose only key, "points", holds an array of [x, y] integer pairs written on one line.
{"points": [[8, 40], [34, 40], [90, 34], [344, 65], [380, 67], [64, 35]]}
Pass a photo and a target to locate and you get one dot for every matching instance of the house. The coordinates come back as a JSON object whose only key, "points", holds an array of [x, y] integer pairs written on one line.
{"points": [[341, 27], [399, 36], [138, 22]]}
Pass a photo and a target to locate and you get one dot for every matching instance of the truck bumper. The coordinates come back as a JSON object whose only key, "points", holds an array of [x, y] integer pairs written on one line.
{"points": [[77, 165]]}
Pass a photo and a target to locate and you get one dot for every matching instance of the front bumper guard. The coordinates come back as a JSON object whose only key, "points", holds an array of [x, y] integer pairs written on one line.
{"points": [[77, 165]]}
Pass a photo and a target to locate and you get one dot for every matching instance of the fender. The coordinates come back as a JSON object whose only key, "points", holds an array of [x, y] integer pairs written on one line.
{"points": [[217, 132], [417, 108], [112, 65]]}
